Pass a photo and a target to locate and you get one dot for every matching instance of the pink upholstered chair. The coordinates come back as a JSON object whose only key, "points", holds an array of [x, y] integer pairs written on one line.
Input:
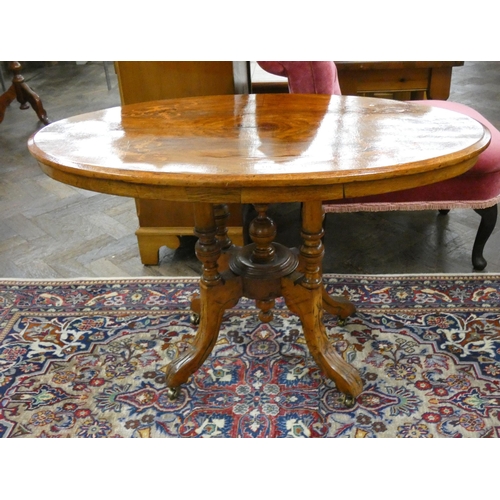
{"points": [[478, 189], [306, 77]]}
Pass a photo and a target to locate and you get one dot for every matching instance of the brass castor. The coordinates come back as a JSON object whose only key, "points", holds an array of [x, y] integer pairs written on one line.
{"points": [[348, 400], [195, 318], [172, 393], [342, 321]]}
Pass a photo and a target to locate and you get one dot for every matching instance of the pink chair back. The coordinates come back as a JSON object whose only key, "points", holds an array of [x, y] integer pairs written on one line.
{"points": [[306, 77]]}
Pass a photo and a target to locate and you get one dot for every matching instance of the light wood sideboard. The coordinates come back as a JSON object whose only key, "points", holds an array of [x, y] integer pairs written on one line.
{"points": [[162, 222]]}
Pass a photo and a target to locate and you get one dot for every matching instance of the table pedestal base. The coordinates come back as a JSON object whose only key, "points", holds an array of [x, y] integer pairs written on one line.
{"points": [[264, 271]]}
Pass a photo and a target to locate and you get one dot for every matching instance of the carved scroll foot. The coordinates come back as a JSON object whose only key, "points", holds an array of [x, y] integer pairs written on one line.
{"points": [[308, 305]]}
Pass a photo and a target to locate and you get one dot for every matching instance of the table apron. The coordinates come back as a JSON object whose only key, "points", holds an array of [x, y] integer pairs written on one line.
{"points": [[257, 194]]}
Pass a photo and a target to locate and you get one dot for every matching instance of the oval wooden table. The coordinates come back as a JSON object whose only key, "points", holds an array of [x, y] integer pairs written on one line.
{"points": [[260, 149]]}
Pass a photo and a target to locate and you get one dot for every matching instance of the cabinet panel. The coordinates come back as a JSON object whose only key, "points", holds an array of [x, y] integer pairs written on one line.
{"points": [[162, 222]]}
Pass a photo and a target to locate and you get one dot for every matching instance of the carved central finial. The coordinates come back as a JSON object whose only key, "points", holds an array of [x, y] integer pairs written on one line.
{"points": [[262, 233]]}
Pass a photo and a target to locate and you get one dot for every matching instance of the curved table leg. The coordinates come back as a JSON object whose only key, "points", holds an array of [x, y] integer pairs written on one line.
{"points": [[213, 302], [307, 298], [311, 255], [308, 305], [195, 308], [338, 306], [221, 214], [218, 292]]}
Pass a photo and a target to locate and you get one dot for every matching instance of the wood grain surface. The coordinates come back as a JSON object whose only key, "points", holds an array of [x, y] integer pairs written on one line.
{"points": [[259, 148]]}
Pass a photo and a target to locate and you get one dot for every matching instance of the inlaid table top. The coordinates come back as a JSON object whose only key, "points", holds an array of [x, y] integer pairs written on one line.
{"points": [[259, 148]]}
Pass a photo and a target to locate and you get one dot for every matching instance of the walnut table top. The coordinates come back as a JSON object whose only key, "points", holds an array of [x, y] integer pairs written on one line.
{"points": [[259, 148]]}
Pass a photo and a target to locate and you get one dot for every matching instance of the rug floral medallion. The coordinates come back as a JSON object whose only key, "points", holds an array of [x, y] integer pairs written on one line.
{"points": [[87, 359]]}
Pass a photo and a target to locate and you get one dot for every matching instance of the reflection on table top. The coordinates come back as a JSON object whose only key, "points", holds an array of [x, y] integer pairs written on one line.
{"points": [[239, 143]]}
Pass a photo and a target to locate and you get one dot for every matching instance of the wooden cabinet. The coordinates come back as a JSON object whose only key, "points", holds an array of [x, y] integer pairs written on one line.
{"points": [[141, 81], [162, 222], [403, 80]]}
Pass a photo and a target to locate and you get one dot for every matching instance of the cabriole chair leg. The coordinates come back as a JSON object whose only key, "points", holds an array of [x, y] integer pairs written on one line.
{"points": [[488, 222]]}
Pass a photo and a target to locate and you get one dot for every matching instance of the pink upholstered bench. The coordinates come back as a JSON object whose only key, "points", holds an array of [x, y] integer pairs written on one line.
{"points": [[477, 189]]}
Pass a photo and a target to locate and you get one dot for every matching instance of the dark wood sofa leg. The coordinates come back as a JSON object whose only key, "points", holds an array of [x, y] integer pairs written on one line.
{"points": [[488, 221]]}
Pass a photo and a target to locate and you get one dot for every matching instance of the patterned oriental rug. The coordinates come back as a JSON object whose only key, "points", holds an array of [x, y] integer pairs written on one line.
{"points": [[86, 359]]}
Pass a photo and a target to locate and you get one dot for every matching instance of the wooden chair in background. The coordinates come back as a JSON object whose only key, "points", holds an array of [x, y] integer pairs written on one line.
{"points": [[21, 91]]}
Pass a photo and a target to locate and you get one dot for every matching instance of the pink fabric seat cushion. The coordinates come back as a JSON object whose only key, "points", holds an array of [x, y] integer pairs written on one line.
{"points": [[477, 188], [306, 77]]}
